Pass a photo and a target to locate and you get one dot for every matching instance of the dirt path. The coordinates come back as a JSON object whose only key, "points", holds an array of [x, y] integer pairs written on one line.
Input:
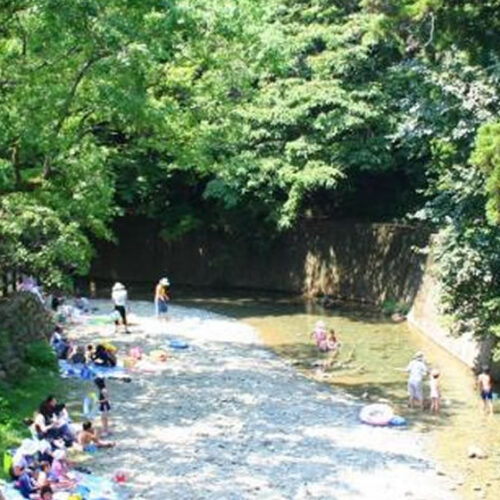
{"points": [[230, 420]]}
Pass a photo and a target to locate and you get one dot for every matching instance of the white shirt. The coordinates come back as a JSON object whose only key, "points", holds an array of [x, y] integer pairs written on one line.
{"points": [[417, 370], [434, 387], [119, 297]]}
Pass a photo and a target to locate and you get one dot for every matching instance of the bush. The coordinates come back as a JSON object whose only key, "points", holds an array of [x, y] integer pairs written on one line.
{"points": [[390, 307], [39, 354]]}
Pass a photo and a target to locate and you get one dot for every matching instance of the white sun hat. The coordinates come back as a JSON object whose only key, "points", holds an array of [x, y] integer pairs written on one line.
{"points": [[29, 447], [59, 455], [118, 286], [164, 282]]}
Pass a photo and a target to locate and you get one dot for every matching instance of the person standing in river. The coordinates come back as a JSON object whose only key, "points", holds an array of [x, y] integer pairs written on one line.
{"points": [[416, 370], [119, 297], [162, 297], [485, 386]]}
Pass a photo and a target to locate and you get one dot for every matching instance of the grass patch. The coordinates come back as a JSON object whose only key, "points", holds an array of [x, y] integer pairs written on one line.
{"points": [[20, 397]]}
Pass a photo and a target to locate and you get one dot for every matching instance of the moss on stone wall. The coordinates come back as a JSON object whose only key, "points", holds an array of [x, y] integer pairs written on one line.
{"points": [[23, 321]]}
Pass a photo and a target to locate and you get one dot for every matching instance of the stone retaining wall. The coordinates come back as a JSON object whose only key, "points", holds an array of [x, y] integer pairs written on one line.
{"points": [[23, 320]]}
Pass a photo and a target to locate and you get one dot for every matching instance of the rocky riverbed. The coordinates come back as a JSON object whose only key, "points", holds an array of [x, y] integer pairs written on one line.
{"points": [[228, 419]]}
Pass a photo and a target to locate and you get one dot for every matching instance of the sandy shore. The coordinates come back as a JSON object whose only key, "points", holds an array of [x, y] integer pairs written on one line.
{"points": [[228, 419]]}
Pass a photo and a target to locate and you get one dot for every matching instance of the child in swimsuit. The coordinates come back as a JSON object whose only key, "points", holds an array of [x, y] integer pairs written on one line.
{"points": [[104, 406], [435, 392], [332, 342], [319, 335], [87, 438], [485, 386]]}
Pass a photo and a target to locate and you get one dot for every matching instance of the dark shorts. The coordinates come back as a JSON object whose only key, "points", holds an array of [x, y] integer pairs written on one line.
{"points": [[104, 407], [123, 314], [161, 307], [487, 395]]}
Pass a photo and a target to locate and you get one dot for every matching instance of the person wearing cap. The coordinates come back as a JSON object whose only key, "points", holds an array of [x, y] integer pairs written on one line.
{"points": [[162, 296], [119, 297], [416, 372]]}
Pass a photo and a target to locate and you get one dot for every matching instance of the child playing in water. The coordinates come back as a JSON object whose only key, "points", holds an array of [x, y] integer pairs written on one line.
{"points": [[319, 335], [485, 386], [435, 392], [332, 342], [104, 406]]}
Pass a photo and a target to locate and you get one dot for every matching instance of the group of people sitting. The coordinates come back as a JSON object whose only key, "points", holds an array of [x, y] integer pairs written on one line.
{"points": [[40, 465], [100, 354], [325, 340]]}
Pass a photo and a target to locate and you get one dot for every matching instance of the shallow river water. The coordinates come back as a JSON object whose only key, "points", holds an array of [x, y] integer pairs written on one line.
{"points": [[229, 419]]}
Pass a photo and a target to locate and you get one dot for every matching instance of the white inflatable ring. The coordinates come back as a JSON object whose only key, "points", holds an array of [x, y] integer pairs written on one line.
{"points": [[376, 414]]}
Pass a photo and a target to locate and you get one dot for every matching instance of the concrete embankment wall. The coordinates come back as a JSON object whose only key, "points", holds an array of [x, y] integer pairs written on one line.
{"points": [[361, 262], [425, 315], [351, 261]]}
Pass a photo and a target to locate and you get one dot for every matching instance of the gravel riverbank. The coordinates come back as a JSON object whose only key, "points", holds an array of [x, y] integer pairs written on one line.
{"points": [[228, 419]]}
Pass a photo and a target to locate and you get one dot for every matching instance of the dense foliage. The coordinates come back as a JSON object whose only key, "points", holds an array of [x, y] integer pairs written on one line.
{"points": [[248, 115]]}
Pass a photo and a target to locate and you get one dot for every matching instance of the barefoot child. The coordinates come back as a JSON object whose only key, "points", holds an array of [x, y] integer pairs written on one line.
{"points": [[104, 406], [485, 386], [88, 437], [59, 471], [332, 342], [319, 336], [435, 392]]}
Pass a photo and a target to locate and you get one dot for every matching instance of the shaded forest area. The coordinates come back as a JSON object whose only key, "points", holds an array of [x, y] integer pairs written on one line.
{"points": [[248, 116]]}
